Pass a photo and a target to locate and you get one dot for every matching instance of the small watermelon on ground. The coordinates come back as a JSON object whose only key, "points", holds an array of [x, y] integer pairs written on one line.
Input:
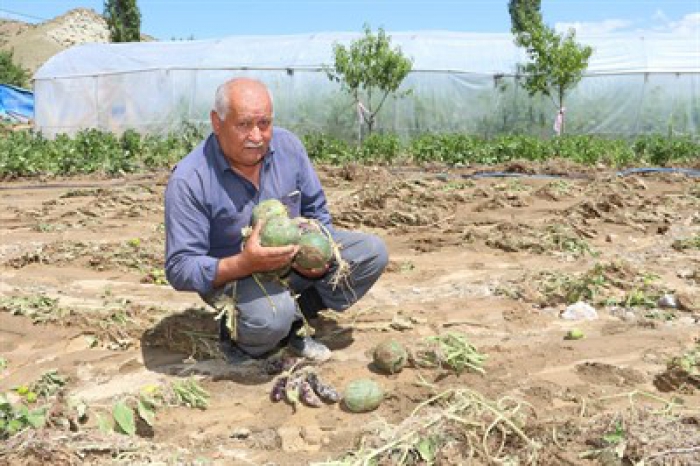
{"points": [[362, 395], [390, 357]]}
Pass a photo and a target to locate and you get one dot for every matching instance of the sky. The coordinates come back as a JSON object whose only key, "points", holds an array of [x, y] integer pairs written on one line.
{"points": [[204, 19]]}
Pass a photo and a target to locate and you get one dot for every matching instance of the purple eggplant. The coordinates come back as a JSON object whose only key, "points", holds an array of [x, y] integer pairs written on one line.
{"points": [[324, 391], [308, 396], [278, 389]]}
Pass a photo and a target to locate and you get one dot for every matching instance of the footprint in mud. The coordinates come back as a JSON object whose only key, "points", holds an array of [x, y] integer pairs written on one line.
{"points": [[600, 373]]}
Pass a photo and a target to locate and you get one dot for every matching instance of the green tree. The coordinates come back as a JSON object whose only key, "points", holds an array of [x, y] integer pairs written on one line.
{"points": [[523, 13], [124, 20], [557, 62], [370, 70], [12, 73]]}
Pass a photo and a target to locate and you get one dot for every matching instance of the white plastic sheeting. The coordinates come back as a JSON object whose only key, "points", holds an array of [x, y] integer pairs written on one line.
{"points": [[460, 82]]}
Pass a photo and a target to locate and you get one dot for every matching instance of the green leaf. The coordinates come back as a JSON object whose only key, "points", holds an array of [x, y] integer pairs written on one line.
{"points": [[14, 426], [22, 390], [36, 419], [5, 405], [615, 437], [92, 341], [104, 424], [426, 449], [146, 412], [21, 411], [124, 417]]}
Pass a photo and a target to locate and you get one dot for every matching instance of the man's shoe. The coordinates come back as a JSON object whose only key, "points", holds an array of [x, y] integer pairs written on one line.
{"points": [[309, 348], [233, 354]]}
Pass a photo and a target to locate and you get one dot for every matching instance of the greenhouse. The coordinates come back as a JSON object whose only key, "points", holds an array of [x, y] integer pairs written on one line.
{"points": [[460, 82]]}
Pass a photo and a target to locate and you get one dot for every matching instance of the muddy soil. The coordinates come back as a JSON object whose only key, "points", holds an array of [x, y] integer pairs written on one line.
{"points": [[495, 260]]}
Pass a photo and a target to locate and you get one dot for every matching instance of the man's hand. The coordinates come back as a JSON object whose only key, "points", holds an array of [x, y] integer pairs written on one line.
{"points": [[259, 258]]}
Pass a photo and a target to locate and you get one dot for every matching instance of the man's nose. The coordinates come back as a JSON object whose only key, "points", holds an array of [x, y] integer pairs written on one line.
{"points": [[255, 134]]}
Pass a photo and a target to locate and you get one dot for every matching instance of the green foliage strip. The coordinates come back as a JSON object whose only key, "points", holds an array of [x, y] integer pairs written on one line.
{"points": [[27, 154]]}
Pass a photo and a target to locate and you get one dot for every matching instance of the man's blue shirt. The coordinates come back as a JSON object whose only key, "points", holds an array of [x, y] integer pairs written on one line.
{"points": [[207, 204]]}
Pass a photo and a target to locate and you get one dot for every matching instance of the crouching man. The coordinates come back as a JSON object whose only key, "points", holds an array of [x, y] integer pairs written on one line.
{"points": [[209, 200]]}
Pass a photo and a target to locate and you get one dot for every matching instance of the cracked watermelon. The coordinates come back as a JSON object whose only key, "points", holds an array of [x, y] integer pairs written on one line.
{"points": [[390, 357], [315, 250]]}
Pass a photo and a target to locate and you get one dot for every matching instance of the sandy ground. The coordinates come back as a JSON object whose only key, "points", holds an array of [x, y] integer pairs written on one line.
{"points": [[82, 292]]}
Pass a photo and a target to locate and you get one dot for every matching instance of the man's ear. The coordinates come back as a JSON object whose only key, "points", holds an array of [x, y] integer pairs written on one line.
{"points": [[215, 122]]}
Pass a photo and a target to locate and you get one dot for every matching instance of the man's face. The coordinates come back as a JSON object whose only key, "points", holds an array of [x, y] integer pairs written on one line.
{"points": [[245, 134]]}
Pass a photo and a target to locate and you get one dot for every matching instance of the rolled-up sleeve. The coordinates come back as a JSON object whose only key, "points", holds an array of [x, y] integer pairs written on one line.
{"points": [[187, 264]]}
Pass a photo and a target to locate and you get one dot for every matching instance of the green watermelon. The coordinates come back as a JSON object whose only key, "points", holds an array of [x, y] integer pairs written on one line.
{"points": [[390, 357], [279, 231], [315, 250], [267, 209], [306, 225], [363, 395]]}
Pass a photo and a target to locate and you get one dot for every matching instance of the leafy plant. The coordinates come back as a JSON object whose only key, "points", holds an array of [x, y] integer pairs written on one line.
{"points": [[123, 415], [39, 308], [10, 72], [687, 243], [155, 276], [48, 384], [688, 362], [126, 411], [380, 148], [189, 393], [659, 150], [561, 238], [324, 148], [451, 350], [15, 418], [615, 436], [611, 283], [369, 70]]}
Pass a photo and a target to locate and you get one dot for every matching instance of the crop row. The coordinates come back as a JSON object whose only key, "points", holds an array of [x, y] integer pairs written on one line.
{"points": [[27, 154]]}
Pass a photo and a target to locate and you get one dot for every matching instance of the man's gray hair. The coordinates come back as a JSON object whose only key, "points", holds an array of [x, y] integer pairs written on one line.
{"points": [[221, 101]]}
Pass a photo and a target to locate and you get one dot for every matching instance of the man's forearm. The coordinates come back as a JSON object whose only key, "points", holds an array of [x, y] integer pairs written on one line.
{"points": [[231, 268]]}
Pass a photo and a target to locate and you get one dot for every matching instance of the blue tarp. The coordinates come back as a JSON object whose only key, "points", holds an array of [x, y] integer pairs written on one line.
{"points": [[16, 104]]}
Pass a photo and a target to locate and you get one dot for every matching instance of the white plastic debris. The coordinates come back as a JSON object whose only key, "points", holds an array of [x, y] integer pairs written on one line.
{"points": [[668, 301], [579, 311]]}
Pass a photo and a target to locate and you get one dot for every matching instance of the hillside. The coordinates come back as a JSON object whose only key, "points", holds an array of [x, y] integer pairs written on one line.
{"points": [[33, 44]]}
